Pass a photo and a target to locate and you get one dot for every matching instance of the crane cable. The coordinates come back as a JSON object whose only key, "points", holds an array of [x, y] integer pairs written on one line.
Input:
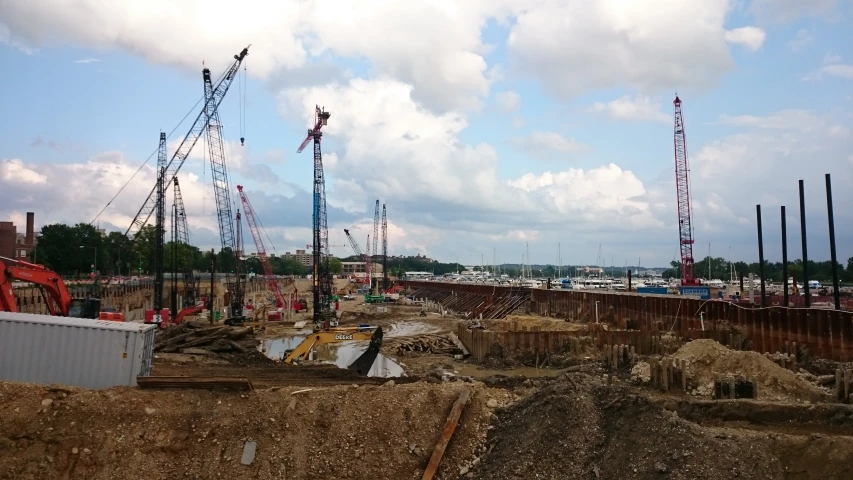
{"points": [[218, 81], [243, 81]]}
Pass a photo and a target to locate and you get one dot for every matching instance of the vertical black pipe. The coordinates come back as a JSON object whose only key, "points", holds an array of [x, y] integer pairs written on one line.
{"points": [[805, 246], [785, 256], [760, 255], [212, 284], [629, 280], [742, 292], [835, 293]]}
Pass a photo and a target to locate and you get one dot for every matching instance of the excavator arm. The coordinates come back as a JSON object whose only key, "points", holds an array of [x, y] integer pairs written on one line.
{"points": [[56, 293], [336, 335]]}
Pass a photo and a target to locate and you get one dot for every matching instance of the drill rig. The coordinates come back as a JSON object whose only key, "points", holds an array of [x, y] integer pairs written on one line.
{"points": [[322, 277]]}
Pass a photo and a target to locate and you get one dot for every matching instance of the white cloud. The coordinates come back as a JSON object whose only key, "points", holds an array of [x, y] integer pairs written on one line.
{"points": [[449, 186], [435, 47], [87, 60], [640, 108], [833, 67], [766, 152], [540, 143], [508, 101], [802, 39], [750, 37], [575, 46], [838, 70], [785, 120], [14, 170]]}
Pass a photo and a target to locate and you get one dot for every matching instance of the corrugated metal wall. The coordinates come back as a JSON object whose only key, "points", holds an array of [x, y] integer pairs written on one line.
{"points": [[75, 352], [826, 333]]}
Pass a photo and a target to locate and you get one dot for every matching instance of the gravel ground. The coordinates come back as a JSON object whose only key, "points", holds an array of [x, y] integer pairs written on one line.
{"points": [[365, 432]]}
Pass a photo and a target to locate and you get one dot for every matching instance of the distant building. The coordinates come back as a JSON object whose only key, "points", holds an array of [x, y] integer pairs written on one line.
{"points": [[16, 245], [303, 257], [416, 275], [356, 269]]}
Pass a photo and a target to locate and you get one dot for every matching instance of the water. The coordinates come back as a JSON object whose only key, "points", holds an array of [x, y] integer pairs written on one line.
{"points": [[276, 348], [341, 354]]}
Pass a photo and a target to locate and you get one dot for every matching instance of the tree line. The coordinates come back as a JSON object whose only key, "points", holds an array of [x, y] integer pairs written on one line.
{"points": [[720, 268], [80, 250]]}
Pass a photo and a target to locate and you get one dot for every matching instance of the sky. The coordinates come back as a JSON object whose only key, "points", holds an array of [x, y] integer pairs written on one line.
{"points": [[487, 127]]}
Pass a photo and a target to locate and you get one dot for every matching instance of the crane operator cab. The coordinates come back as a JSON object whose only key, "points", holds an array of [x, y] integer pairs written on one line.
{"points": [[84, 308]]}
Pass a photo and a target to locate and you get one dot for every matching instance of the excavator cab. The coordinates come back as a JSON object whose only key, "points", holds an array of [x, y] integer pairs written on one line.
{"points": [[84, 307]]}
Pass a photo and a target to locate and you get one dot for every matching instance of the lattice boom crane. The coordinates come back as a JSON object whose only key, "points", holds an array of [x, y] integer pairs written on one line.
{"points": [[358, 252], [259, 245], [174, 165], [682, 184]]}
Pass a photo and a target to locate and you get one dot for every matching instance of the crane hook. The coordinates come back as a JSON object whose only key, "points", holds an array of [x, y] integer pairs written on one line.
{"points": [[242, 141]]}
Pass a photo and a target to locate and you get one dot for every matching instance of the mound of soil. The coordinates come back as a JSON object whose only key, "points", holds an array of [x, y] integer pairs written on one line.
{"points": [[709, 360], [577, 428], [369, 432]]}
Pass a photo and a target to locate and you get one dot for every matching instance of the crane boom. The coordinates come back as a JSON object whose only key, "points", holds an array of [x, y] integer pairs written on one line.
{"points": [[222, 196], [682, 184], [358, 252], [375, 250], [181, 243], [160, 228], [189, 141], [385, 285], [259, 244]]}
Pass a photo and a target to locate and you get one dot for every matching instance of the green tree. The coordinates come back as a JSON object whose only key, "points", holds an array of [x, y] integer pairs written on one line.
{"points": [[143, 247], [336, 266]]}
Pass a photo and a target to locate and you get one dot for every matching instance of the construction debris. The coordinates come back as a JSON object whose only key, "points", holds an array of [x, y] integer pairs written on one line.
{"points": [[434, 343], [196, 338]]}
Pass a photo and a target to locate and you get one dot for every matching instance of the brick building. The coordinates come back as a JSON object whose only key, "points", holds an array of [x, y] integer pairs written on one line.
{"points": [[16, 245]]}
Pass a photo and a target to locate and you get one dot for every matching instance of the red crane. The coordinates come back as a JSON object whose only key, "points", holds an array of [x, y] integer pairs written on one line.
{"points": [[262, 251], [682, 184]]}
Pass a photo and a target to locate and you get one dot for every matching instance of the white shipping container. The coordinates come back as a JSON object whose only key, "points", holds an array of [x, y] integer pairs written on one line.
{"points": [[77, 352]]}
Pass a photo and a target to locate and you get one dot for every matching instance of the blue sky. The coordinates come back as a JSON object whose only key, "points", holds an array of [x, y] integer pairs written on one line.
{"points": [[764, 106]]}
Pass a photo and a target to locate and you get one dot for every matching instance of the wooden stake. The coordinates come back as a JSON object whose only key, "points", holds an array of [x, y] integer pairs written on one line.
{"points": [[446, 435]]}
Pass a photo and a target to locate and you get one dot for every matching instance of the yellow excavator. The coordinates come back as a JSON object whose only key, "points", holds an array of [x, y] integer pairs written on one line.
{"points": [[342, 334]]}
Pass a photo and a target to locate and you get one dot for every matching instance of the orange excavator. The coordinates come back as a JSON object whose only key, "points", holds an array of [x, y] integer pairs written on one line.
{"points": [[53, 289]]}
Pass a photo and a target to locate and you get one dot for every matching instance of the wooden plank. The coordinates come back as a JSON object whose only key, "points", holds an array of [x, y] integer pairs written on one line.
{"points": [[458, 343], [229, 383], [446, 435]]}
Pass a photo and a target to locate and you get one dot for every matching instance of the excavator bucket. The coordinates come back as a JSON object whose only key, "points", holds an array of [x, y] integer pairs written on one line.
{"points": [[363, 363]]}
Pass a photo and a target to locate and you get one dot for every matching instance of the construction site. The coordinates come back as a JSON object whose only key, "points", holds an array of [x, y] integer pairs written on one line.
{"points": [[219, 374]]}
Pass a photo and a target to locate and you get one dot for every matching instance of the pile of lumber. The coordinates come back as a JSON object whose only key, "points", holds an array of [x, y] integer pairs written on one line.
{"points": [[438, 344], [197, 339]]}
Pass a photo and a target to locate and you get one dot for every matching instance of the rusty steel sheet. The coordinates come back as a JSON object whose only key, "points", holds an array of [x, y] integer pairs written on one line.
{"points": [[823, 333]]}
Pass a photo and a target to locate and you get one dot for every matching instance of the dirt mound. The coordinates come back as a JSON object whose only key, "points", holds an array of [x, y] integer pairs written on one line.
{"points": [[373, 432], [710, 360], [577, 428]]}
